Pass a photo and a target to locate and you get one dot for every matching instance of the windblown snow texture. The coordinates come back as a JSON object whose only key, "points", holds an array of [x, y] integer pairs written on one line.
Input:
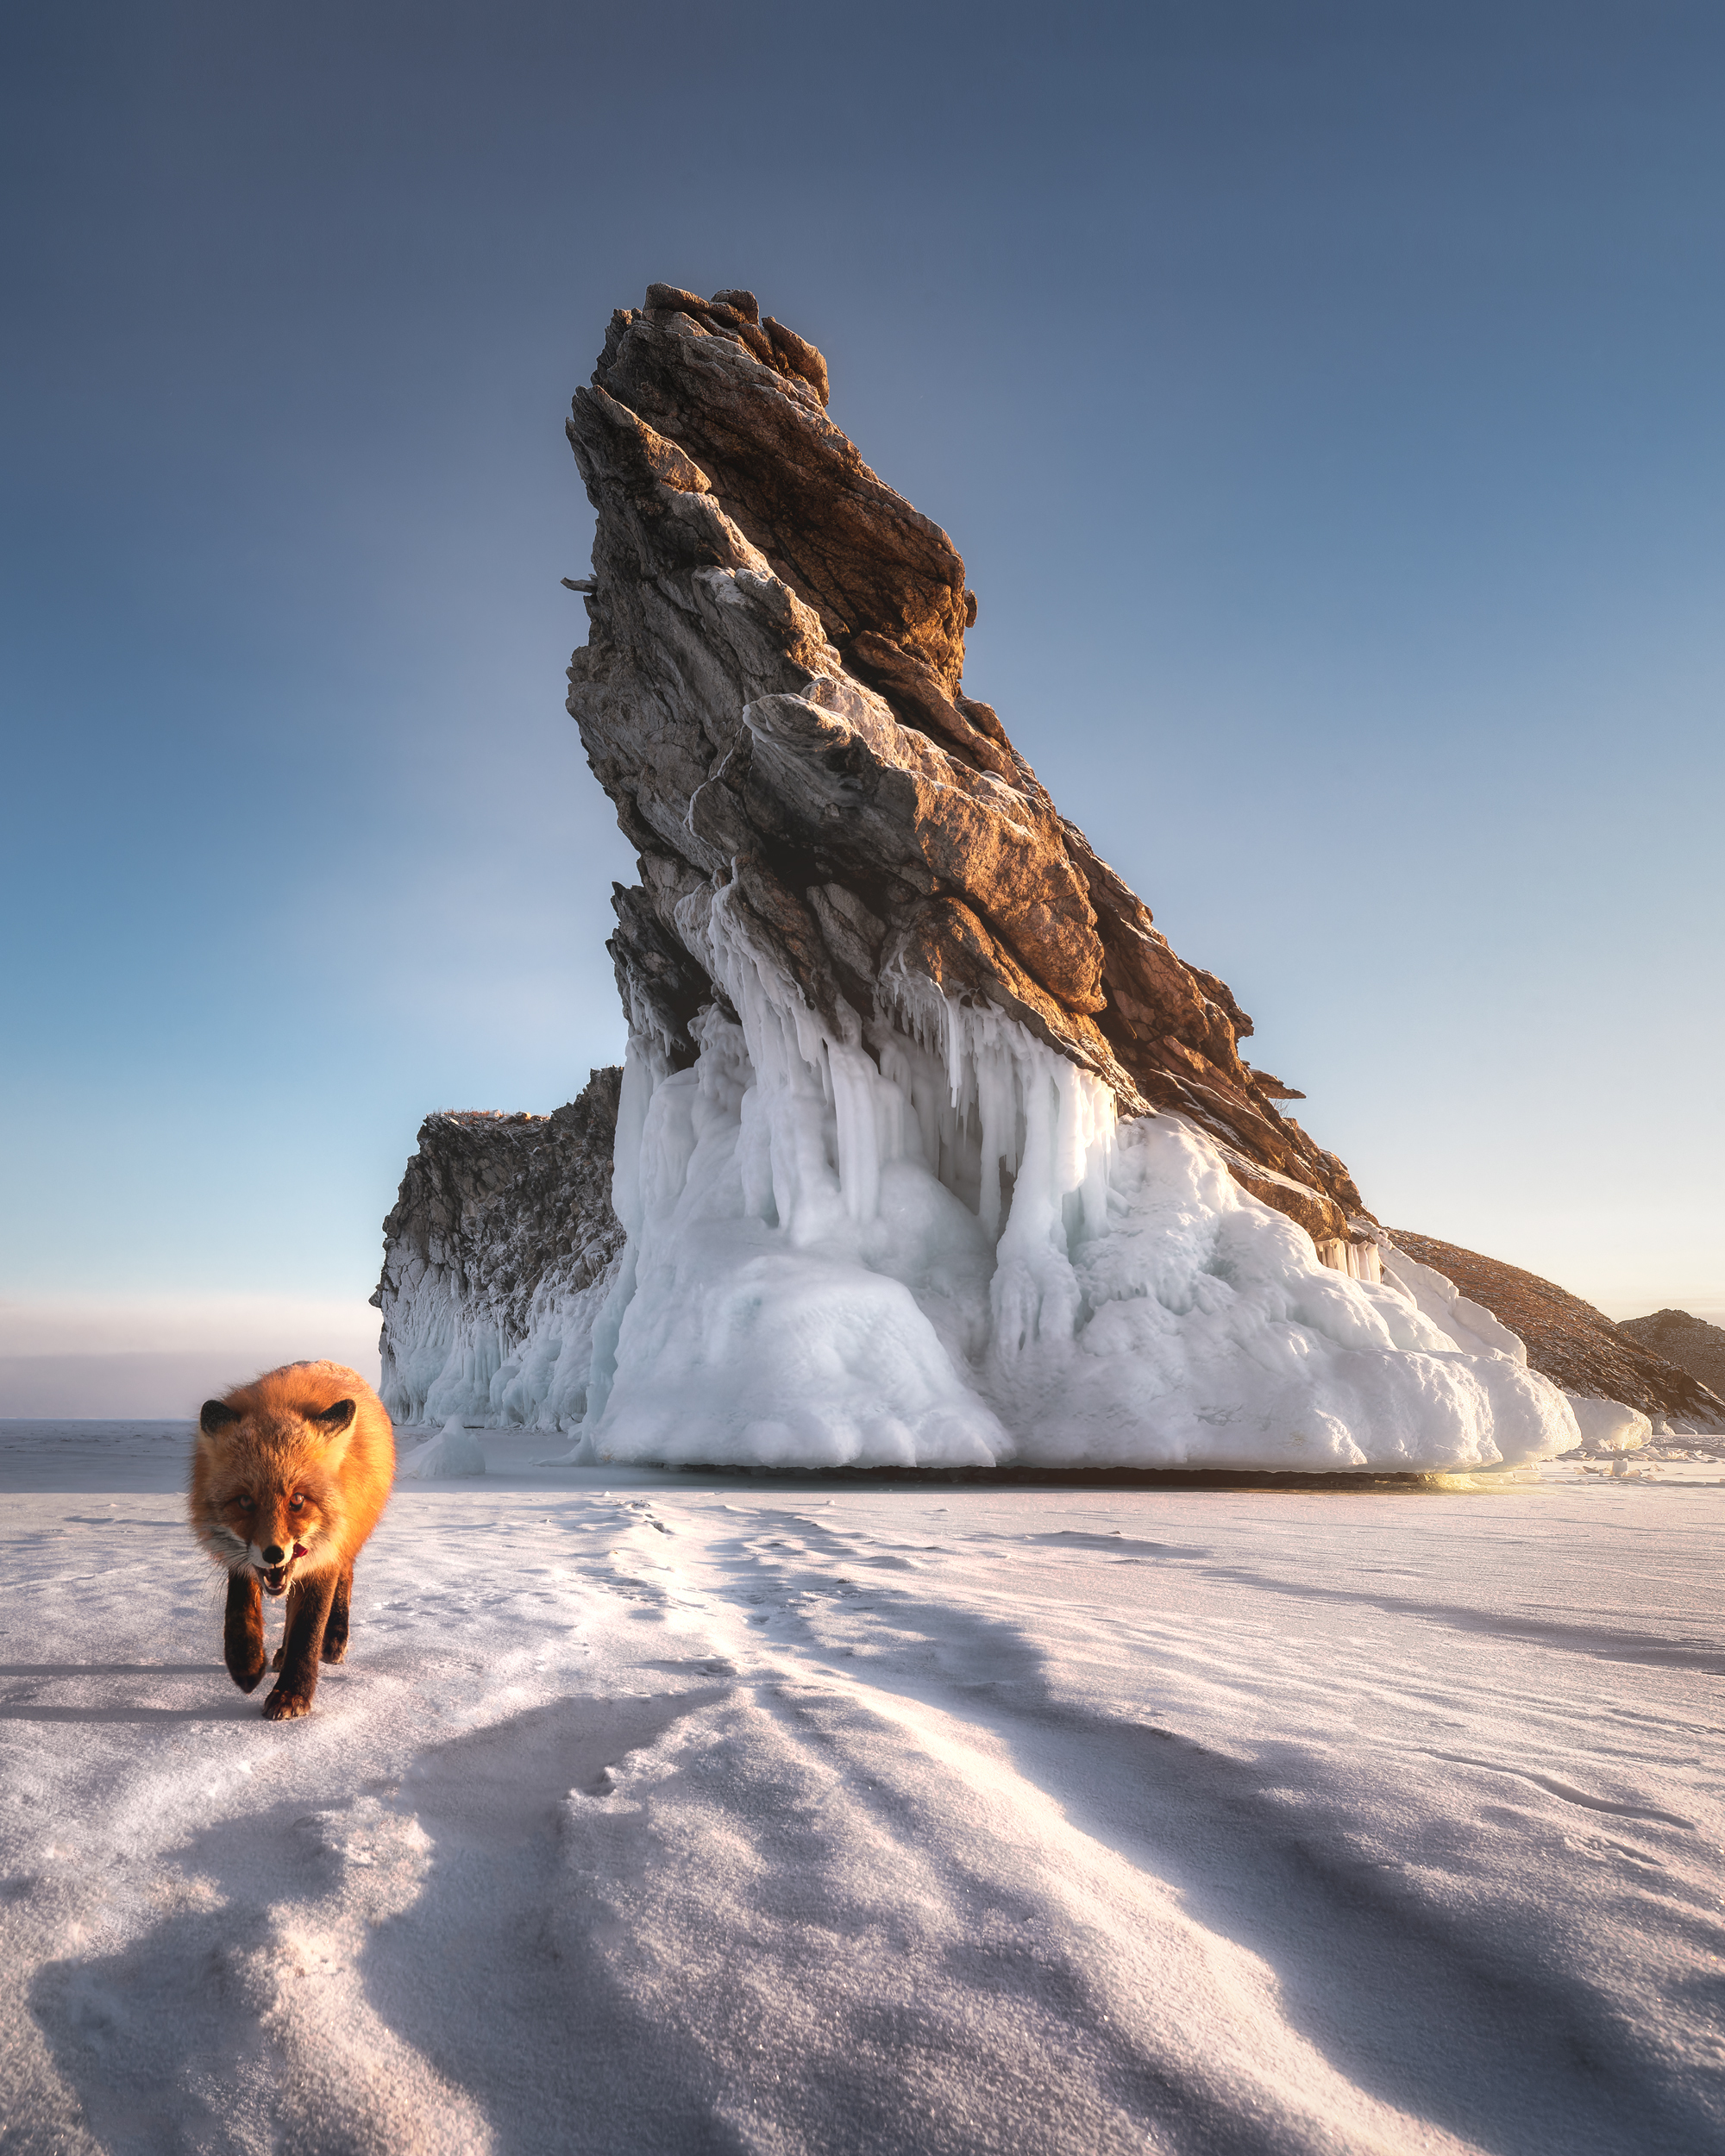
{"points": [[659, 1813], [887, 1011]]}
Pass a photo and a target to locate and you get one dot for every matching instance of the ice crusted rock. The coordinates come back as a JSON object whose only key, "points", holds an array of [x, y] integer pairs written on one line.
{"points": [[1630, 1366], [498, 1256], [771, 694], [929, 1148], [1607, 1425]]}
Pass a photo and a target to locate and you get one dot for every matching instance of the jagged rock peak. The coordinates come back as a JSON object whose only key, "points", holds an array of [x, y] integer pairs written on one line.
{"points": [[772, 696]]}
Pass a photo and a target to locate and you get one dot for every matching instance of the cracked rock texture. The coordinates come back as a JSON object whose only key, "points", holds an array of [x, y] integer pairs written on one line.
{"points": [[772, 694]]}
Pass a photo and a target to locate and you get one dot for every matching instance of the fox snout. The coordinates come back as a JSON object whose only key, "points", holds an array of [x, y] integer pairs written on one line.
{"points": [[274, 1563]]}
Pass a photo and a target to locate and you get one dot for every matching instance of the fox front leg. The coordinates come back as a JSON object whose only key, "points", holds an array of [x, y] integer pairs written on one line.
{"points": [[336, 1630], [242, 1632], [308, 1614]]}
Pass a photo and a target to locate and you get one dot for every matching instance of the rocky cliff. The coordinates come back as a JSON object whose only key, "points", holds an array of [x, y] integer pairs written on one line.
{"points": [[497, 1258], [772, 695], [928, 1148]]}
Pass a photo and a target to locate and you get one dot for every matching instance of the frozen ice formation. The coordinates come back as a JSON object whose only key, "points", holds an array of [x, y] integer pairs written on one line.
{"points": [[929, 1149], [1630, 1369], [498, 1256]]}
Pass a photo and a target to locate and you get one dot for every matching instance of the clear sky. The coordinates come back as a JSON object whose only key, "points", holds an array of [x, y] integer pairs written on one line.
{"points": [[1326, 399]]}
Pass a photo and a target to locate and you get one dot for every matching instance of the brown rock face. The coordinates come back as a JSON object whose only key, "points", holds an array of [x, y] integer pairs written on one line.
{"points": [[496, 1209], [1571, 1342], [771, 694], [1690, 1342]]}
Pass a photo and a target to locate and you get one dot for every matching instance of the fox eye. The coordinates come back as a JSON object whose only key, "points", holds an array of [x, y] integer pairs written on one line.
{"points": [[296, 1504], [246, 1500]]}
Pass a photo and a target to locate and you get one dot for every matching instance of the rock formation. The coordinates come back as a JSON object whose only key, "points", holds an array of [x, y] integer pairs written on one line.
{"points": [[1691, 1343], [1578, 1347], [772, 696], [928, 1148], [497, 1258]]}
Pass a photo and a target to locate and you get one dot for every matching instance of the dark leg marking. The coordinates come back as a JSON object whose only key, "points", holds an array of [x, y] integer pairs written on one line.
{"points": [[242, 1631], [335, 1632], [308, 1611]]}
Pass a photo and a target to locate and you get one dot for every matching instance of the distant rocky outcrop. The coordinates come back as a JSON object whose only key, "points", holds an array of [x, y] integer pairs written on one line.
{"points": [[772, 695], [1690, 1342], [1575, 1345], [497, 1255]]}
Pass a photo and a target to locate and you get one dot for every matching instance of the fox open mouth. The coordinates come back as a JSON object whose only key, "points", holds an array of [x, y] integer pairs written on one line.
{"points": [[275, 1578]]}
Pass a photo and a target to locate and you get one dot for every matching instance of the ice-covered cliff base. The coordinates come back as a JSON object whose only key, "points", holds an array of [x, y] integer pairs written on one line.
{"points": [[945, 1251], [499, 1255]]}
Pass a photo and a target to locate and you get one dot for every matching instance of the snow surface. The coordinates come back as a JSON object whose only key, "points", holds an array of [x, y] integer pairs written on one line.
{"points": [[941, 1249], [659, 1812], [453, 1452]]}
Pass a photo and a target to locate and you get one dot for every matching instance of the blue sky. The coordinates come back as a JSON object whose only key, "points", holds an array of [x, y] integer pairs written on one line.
{"points": [[1325, 399]]}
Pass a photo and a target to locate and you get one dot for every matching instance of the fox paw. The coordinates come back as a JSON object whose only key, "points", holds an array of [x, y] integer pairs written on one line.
{"points": [[335, 1650], [286, 1707], [248, 1680]]}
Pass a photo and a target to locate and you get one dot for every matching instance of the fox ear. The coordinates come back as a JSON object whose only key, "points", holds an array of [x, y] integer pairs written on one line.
{"points": [[214, 1415], [334, 1420]]}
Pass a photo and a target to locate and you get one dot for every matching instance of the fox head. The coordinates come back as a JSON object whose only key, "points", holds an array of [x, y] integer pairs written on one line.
{"points": [[269, 1481]]}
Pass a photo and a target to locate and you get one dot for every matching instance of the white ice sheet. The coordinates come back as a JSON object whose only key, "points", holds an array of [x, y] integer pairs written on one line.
{"points": [[663, 1812]]}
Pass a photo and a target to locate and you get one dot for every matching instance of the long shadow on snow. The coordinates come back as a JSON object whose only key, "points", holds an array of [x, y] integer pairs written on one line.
{"points": [[1483, 2040], [487, 1974], [561, 2061], [160, 2039], [1604, 1642]]}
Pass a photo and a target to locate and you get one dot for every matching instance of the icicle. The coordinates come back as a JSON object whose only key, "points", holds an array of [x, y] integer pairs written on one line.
{"points": [[644, 1066], [854, 1079]]}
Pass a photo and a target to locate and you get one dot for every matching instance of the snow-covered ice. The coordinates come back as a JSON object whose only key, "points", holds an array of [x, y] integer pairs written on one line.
{"points": [[937, 1247], [453, 1452], [667, 1812], [1607, 1425]]}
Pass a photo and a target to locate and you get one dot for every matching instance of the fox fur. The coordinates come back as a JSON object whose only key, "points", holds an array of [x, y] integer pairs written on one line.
{"points": [[289, 1476]]}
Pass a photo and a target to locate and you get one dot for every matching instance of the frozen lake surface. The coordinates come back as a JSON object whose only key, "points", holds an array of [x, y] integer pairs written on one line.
{"points": [[694, 1813]]}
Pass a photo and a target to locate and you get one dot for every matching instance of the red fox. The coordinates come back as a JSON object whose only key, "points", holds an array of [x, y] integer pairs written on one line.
{"points": [[289, 1476]]}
